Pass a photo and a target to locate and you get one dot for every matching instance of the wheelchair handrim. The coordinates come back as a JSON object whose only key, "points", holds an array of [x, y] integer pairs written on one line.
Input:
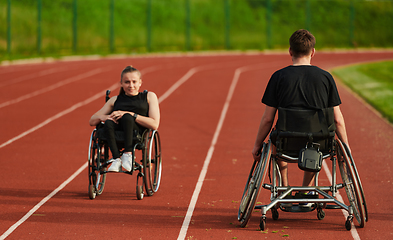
{"points": [[358, 179], [261, 170], [351, 186]]}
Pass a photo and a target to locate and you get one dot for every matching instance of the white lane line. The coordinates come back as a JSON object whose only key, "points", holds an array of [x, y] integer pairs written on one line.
{"points": [[100, 94], [54, 86], [203, 173], [187, 76], [59, 115], [31, 75], [78, 105], [354, 232], [42, 202], [178, 84]]}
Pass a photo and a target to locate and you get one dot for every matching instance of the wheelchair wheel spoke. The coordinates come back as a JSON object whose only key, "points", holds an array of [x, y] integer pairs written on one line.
{"points": [[96, 157]]}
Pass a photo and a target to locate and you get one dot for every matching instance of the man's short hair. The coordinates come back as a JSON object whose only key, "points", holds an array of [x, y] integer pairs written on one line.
{"points": [[302, 42]]}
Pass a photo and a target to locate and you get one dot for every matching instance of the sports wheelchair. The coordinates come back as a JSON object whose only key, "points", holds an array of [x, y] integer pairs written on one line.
{"points": [[294, 130], [149, 170]]}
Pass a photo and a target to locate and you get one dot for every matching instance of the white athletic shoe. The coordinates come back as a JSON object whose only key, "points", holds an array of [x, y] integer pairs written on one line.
{"points": [[116, 165], [126, 161], [306, 205]]}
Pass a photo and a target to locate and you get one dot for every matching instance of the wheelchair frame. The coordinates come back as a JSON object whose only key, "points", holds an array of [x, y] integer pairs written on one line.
{"points": [[340, 155], [149, 170]]}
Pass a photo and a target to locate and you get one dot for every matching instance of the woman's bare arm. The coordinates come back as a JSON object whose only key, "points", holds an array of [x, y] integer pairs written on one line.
{"points": [[103, 114], [153, 121]]}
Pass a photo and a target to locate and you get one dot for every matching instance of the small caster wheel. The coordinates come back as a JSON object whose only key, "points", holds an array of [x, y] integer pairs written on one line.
{"points": [[348, 224], [92, 192], [139, 192], [262, 223], [139, 187], [321, 214], [274, 214]]}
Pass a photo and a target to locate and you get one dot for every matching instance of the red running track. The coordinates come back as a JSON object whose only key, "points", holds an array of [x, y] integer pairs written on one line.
{"points": [[45, 108]]}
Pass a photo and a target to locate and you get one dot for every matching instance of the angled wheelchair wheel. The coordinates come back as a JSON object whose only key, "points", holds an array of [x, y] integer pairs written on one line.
{"points": [[97, 155], [352, 185], [253, 185], [152, 162], [358, 179]]}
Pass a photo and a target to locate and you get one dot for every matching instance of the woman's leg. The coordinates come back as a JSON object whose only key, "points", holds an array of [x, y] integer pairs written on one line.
{"points": [[128, 124], [110, 127]]}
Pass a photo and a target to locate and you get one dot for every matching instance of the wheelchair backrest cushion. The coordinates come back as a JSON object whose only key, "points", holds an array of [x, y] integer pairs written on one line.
{"points": [[303, 121]]}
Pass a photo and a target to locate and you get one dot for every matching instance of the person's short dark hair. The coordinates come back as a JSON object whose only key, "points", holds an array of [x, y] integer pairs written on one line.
{"points": [[302, 42]]}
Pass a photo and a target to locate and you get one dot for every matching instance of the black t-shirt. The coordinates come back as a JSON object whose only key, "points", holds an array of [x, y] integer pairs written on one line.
{"points": [[301, 87], [137, 104]]}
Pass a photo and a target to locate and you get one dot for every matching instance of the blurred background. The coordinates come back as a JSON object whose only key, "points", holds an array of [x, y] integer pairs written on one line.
{"points": [[39, 28]]}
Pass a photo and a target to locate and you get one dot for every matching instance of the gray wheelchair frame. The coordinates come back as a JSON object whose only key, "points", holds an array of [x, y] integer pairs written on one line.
{"points": [[149, 169], [338, 153]]}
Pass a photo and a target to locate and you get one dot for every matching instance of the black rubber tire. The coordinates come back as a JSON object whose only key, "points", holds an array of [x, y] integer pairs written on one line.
{"points": [[348, 224], [102, 177], [92, 192], [262, 224], [98, 153], [320, 214], [152, 162], [139, 186], [358, 178], [253, 185], [275, 214], [139, 192]]}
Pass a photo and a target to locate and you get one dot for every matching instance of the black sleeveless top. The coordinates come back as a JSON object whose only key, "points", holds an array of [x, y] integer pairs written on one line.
{"points": [[137, 104]]}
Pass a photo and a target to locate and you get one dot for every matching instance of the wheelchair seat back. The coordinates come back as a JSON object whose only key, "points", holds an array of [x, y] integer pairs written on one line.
{"points": [[296, 127]]}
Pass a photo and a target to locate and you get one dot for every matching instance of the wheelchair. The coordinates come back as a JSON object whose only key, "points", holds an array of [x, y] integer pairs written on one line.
{"points": [[294, 130], [149, 167]]}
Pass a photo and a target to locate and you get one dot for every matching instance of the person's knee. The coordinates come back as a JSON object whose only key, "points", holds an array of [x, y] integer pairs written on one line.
{"points": [[109, 125], [127, 119]]}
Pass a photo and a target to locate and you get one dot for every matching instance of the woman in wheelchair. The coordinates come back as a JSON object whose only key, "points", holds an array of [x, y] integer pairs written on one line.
{"points": [[129, 111], [299, 86]]}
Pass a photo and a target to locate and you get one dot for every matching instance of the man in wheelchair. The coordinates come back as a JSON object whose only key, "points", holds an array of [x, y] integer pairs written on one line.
{"points": [[130, 111], [299, 87]]}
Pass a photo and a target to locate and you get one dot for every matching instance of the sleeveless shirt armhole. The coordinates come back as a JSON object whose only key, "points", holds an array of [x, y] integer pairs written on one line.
{"points": [[145, 92]]}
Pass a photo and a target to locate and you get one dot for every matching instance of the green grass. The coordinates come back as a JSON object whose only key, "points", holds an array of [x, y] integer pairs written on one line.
{"points": [[335, 24], [373, 82]]}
